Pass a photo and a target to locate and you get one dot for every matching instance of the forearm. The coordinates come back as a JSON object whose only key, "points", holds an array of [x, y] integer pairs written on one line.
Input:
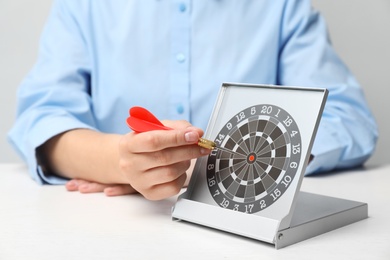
{"points": [[83, 154], [342, 142]]}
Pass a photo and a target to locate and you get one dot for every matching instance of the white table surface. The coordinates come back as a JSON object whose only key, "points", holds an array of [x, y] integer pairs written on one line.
{"points": [[47, 222]]}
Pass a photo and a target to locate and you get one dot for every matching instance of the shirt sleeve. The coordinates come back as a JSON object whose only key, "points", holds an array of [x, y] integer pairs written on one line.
{"points": [[347, 133], [54, 97]]}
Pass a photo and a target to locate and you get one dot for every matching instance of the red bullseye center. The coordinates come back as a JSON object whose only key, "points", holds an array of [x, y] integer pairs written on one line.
{"points": [[251, 158]]}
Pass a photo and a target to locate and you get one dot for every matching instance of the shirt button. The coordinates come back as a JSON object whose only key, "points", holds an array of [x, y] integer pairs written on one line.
{"points": [[180, 57], [182, 7], [180, 109]]}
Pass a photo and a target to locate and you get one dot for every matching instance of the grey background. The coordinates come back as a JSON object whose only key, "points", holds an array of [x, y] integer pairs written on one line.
{"points": [[359, 29]]}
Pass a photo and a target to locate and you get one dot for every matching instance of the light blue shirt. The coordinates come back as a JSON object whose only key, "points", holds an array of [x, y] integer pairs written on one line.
{"points": [[99, 58]]}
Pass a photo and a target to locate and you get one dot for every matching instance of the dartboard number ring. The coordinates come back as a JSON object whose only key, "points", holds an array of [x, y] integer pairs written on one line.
{"points": [[257, 156]]}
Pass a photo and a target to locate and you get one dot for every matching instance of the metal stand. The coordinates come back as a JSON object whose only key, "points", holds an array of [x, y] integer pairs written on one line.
{"points": [[317, 214], [313, 215]]}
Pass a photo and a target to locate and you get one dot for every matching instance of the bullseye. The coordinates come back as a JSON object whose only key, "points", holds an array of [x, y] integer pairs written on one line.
{"points": [[251, 158]]}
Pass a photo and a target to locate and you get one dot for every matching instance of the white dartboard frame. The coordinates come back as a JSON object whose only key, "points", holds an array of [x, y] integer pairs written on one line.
{"points": [[250, 184]]}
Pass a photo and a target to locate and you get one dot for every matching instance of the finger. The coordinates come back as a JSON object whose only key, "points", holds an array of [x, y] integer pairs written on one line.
{"points": [[166, 190], [178, 124], [161, 139], [84, 186], [165, 158], [164, 174], [74, 184], [119, 190], [174, 155], [92, 187]]}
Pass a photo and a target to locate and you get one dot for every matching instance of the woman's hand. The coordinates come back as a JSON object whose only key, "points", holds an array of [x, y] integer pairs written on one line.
{"points": [[152, 163], [84, 186], [155, 163]]}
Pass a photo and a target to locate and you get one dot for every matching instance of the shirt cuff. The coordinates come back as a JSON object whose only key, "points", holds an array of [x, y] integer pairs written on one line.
{"points": [[327, 150], [44, 178], [38, 134]]}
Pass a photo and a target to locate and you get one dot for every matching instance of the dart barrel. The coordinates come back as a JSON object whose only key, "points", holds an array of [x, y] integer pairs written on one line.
{"points": [[206, 144]]}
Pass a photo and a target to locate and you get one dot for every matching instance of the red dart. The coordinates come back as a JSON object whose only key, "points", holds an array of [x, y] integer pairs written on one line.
{"points": [[141, 120]]}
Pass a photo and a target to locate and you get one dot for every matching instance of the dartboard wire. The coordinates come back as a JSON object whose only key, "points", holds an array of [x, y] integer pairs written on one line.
{"points": [[265, 150], [263, 137], [282, 168], [250, 184], [242, 140], [243, 171], [231, 185], [259, 133], [252, 141], [258, 164], [230, 172], [228, 190], [241, 168], [236, 139], [274, 143], [264, 173], [260, 144], [260, 172], [251, 175], [257, 171], [269, 186], [273, 146], [286, 140], [266, 181]]}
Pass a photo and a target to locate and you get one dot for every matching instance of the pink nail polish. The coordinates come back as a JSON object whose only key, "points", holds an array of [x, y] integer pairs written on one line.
{"points": [[191, 137], [72, 184]]}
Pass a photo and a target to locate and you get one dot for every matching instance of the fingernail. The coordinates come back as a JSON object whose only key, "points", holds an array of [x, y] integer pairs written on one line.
{"points": [[191, 137], [108, 191], [72, 184]]}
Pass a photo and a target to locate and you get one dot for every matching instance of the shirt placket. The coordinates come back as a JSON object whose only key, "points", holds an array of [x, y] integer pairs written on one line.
{"points": [[180, 60]]}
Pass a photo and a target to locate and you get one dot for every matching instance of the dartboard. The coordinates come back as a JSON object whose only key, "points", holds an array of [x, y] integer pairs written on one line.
{"points": [[257, 156]]}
